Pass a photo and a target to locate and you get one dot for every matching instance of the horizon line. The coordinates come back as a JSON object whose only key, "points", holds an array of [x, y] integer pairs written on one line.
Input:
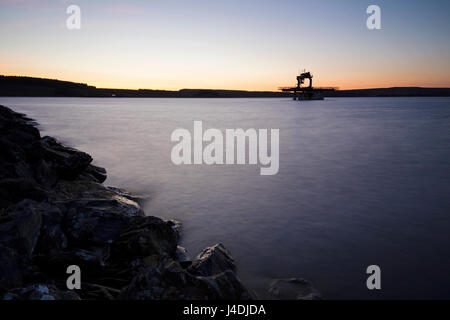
{"points": [[216, 89]]}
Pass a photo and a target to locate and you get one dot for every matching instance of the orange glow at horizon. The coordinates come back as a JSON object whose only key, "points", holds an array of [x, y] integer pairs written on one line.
{"points": [[248, 83]]}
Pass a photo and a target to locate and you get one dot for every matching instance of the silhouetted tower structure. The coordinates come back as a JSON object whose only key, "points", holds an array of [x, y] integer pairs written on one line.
{"points": [[301, 79], [309, 92]]}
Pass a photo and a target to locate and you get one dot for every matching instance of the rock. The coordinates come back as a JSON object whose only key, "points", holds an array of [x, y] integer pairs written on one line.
{"points": [[44, 175], [293, 289], [22, 230], [94, 291], [183, 257], [212, 260], [40, 292], [52, 145], [17, 189], [95, 222], [126, 194], [173, 282], [52, 239], [228, 286], [70, 163], [145, 236], [96, 174], [91, 262], [72, 166], [11, 273]]}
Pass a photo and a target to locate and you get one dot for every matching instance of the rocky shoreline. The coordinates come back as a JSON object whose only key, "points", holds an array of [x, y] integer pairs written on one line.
{"points": [[55, 212]]}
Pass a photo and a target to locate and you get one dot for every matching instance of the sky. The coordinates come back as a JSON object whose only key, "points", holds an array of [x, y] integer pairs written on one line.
{"points": [[244, 44]]}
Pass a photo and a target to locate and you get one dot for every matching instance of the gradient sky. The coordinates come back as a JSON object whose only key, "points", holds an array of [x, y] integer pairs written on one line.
{"points": [[252, 45]]}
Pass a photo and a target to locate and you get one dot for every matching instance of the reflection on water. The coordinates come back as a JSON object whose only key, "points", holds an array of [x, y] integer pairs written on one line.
{"points": [[362, 181]]}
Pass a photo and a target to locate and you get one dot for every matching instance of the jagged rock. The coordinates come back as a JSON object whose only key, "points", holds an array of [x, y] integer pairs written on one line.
{"points": [[183, 257], [91, 262], [94, 291], [52, 239], [146, 236], [17, 189], [126, 194], [22, 230], [212, 260], [72, 166], [95, 222], [96, 174], [40, 292], [228, 286], [70, 163], [11, 273], [22, 170], [293, 289], [173, 282], [44, 174], [53, 144]]}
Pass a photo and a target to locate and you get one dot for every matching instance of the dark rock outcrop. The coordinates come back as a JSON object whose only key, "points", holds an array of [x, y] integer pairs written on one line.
{"points": [[212, 260], [40, 292], [54, 212], [293, 289]]}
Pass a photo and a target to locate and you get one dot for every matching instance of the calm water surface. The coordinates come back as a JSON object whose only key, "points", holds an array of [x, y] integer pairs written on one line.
{"points": [[362, 181]]}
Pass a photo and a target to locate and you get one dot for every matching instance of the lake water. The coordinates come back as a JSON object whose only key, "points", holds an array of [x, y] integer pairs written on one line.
{"points": [[362, 181]]}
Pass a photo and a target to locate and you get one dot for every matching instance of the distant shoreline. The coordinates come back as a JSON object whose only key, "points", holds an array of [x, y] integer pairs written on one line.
{"points": [[12, 86]]}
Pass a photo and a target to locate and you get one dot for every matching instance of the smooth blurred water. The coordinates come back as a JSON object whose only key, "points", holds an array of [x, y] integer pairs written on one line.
{"points": [[362, 181]]}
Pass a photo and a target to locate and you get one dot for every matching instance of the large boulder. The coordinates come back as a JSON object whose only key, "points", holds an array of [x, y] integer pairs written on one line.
{"points": [[21, 227], [72, 166], [182, 256], [172, 281], [96, 222], [94, 173], [11, 270], [212, 260], [52, 239], [70, 163], [146, 236], [17, 189], [91, 262], [44, 174]]}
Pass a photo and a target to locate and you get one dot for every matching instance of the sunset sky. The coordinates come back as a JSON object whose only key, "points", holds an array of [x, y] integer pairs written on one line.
{"points": [[251, 45]]}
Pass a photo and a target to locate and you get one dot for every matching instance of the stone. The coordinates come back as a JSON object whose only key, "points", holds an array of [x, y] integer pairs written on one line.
{"points": [[146, 236], [183, 257], [173, 282], [94, 223], [72, 166], [22, 230], [97, 174], [40, 292], [17, 189], [212, 260], [11, 271], [52, 239], [44, 174], [228, 286], [293, 289]]}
